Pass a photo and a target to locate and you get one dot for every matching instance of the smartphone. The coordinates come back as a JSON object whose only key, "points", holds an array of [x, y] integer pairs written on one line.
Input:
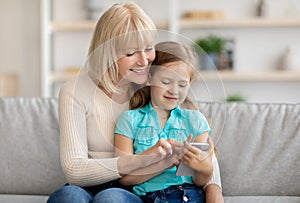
{"points": [[184, 170], [201, 145]]}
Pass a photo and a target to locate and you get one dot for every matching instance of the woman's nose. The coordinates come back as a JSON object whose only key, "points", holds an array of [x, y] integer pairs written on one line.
{"points": [[142, 59]]}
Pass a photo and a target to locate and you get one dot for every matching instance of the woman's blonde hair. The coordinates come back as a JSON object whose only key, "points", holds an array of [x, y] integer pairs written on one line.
{"points": [[118, 28], [168, 52]]}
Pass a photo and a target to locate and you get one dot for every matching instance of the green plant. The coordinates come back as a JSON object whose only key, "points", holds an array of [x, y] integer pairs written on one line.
{"points": [[235, 98], [210, 44]]}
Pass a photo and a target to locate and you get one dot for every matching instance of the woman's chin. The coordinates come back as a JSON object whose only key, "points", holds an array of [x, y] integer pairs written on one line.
{"points": [[140, 80]]}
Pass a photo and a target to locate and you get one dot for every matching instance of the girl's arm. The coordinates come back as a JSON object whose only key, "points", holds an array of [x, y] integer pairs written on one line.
{"points": [[200, 161]]}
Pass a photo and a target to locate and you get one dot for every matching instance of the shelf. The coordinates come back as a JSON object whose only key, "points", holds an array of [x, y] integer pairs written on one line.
{"points": [[239, 23], [62, 76], [85, 26], [230, 76], [72, 26], [188, 24], [226, 76]]}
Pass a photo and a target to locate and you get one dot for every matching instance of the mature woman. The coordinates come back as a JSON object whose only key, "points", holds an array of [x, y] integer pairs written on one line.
{"points": [[120, 55]]}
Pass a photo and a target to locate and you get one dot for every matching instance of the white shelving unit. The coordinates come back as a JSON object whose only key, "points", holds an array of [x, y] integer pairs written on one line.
{"points": [[175, 24], [239, 23], [46, 50]]}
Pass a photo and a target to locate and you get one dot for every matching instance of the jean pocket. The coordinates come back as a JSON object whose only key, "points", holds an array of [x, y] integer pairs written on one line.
{"points": [[196, 195]]}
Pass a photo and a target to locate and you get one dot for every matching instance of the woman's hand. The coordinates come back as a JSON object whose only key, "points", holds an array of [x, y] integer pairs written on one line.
{"points": [[161, 150], [179, 150], [141, 166], [154, 160]]}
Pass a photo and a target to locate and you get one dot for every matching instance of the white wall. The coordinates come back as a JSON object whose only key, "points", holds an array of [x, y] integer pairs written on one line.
{"points": [[20, 43]]}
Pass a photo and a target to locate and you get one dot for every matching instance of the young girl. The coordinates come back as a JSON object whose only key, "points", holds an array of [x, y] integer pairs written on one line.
{"points": [[138, 130]]}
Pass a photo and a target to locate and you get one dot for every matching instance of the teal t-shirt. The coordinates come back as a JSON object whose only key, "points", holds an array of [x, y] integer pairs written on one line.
{"points": [[143, 127]]}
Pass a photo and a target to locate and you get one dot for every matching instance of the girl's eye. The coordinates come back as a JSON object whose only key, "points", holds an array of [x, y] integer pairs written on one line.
{"points": [[165, 82], [183, 84]]}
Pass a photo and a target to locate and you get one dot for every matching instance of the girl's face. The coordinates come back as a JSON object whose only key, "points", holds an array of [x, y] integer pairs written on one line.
{"points": [[170, 85], [134, 64]]}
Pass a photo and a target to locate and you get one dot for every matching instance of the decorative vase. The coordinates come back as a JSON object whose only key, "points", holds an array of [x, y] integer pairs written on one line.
{"points": [[209, 61]]}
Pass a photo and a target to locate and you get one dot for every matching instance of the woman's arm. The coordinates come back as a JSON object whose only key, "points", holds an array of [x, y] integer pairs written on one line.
{"points": [[79, 167], [213, 188], [213, 194], [143, 174]]}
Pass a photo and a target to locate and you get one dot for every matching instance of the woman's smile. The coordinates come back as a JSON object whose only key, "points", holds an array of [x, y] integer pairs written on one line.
{"points": [[139, 71]]}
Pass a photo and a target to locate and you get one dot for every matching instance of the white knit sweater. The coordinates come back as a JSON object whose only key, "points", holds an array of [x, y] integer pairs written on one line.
{"points": [[87, 122]]}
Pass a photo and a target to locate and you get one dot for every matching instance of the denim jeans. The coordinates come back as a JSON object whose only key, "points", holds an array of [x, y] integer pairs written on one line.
{"points": [[177, 194], [76, 194]]}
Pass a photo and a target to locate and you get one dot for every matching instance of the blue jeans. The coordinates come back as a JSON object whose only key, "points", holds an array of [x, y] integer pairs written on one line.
{"points": [[177, 194], [76, 194]]}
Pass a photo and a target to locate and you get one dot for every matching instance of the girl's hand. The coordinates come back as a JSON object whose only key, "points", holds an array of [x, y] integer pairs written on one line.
{"points": [[179, 150], [197, 159]]}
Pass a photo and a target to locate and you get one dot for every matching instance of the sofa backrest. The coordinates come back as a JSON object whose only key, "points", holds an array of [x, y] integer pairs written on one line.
{"points": [[259, 147], [29, 146]]}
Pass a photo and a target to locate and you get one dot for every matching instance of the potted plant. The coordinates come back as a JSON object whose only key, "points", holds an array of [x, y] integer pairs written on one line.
{"points": [[210, 48], [235, 98]]}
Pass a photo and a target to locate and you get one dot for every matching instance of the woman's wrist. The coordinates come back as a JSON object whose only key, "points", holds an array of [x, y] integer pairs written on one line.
{"points": [[127, 164], [130, 163]]}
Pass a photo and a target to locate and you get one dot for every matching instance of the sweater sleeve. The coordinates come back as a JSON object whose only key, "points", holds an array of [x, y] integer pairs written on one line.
{"points": [[216, 176], [78, 167]]}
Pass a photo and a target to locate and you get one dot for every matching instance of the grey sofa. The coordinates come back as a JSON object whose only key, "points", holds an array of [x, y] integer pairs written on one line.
{"points": [[259, 150]]}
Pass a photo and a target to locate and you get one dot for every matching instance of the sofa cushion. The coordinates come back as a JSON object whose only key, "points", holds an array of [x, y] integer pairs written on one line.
{"points": [[262, 199], [23, 199], [259, 147], [29, 147]]}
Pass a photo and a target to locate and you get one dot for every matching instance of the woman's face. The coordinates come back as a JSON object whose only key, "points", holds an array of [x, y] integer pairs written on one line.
{"points": [[134, 64], [170, 85]]}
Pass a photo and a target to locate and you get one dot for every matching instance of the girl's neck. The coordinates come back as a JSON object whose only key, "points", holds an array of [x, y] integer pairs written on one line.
{"points": [[162, 114]]}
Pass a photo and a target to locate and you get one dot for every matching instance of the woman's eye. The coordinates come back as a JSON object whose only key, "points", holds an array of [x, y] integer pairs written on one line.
{"points": [[149, 48], [131, 53]]}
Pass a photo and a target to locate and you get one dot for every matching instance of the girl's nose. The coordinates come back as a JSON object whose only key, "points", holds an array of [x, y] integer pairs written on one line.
{"points": [[173, 90]]}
